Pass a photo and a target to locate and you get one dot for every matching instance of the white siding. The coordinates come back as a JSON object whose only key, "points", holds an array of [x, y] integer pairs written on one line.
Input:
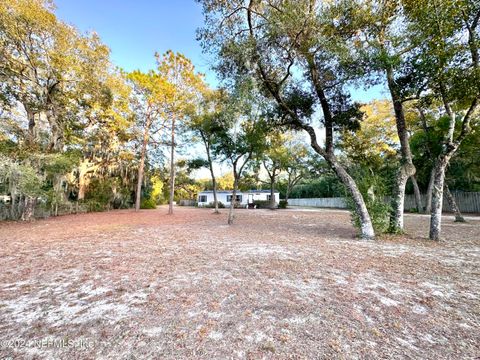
{"points": [[222, 197]]}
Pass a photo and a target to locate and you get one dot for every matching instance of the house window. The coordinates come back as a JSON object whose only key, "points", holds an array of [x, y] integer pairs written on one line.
{"points": [[269, 197], [202, 198], [238, 198]]}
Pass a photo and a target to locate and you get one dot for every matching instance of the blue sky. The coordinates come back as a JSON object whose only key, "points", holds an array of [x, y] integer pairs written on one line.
{"points": [[135, 30]]}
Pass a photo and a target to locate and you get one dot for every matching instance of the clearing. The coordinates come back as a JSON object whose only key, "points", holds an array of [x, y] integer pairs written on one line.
{"points": [[276, 284]]}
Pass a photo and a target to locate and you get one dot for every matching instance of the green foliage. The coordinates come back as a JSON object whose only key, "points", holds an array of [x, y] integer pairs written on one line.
{"points": [[21, 179], [282, 204], [59, 164], [373, 189], [262, 204], [148, 204], [212, 205], [94, 205], [99, 195]]}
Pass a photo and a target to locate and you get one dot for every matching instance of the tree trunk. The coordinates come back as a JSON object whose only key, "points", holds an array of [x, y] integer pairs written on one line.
{"points": [[215, 200], [407, 168], [212, 174], [29, 208], [398, 201], [367, 231], [82, 181], [287, 192], [366, 227], [428, 201], [32, 130], [233, 201], [453, 205], [418, 195], [57, 136], [84, 168], [82, 186], [58, 188], [141, 166], [13, 204], [172, 170], [437, 197], [272, 193]]}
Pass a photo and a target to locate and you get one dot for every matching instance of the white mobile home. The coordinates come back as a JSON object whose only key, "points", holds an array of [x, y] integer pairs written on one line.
{"points": [[243, 197]]}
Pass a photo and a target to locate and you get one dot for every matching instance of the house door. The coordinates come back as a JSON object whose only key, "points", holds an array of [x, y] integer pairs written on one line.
{"points": [[250, 198]]}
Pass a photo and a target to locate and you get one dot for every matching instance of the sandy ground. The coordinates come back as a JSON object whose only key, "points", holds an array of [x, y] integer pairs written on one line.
{"points": [[275, 285]]}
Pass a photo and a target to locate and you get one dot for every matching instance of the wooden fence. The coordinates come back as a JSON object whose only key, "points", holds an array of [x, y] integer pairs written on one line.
{"points": [[338, 202], [468, 202]]}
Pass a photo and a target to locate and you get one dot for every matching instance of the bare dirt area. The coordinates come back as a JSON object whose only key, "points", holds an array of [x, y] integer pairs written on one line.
{"points": [[276, 285]]}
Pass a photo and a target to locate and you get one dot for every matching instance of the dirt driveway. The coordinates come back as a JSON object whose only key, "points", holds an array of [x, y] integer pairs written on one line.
{"points": [[277, 284]]}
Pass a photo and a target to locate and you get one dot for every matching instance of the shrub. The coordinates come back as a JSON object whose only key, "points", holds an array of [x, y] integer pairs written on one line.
{"points": [[148, 204], [262, 204], [94, 205], [373, 189], [99, 193], [212, 205], [282, 204]]}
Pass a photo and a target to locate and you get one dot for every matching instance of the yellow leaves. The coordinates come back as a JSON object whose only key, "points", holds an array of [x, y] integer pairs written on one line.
{"points": [[377, 136]]}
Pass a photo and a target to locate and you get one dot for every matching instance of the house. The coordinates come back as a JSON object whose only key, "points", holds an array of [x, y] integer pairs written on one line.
{"points": [[243, 197]]}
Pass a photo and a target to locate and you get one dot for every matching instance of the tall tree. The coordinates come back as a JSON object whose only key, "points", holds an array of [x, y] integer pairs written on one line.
{"points": [[274, 160], [285, 45], [389, 47], [447, 36], [184, 84], [47, 67], [204, 124], [239, 136], [150, 95]]}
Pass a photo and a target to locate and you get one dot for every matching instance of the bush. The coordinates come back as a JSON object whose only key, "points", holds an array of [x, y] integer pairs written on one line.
{"points": [[94, 206], [282, 204], [262, 204], [212, 205], [373, 189], [99, 194], [148, 204]]}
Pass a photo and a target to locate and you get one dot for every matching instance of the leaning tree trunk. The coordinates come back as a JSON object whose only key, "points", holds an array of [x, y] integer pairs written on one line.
{"points": [[366, 226], [418, 195], [437, 197], [453, 205], [215, 199], [172, 170]]}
